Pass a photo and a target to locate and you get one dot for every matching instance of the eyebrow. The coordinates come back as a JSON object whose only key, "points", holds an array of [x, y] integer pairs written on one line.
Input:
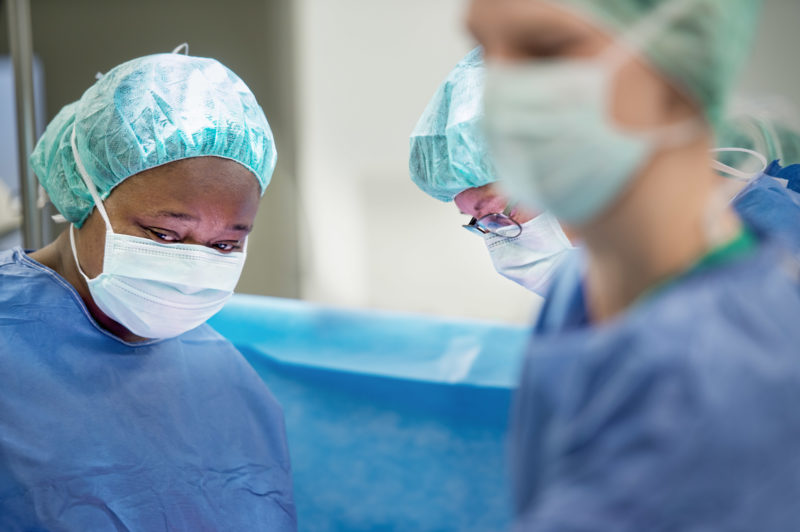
{"points": [[188, 217], [241, 227], [177, 215]]}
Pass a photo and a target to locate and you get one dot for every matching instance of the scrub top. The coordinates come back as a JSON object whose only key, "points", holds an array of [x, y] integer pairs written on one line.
{"points": [[680, 414], [99, 434]]}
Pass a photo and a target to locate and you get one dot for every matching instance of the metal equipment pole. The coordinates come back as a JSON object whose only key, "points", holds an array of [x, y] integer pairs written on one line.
{"points": [[20, 37]]}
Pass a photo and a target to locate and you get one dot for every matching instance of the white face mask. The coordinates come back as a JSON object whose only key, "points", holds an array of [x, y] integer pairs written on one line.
{"points": [[530, 259], [158, 290]]}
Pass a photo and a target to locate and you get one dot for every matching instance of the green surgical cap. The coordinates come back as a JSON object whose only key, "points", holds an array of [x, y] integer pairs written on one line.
{"points": [[448, 150], [148, 112], [700, 45]]}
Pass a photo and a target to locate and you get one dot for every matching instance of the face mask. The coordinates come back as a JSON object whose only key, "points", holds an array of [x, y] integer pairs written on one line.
{"points": [[157, 290], [551, 135], [530, 259]]}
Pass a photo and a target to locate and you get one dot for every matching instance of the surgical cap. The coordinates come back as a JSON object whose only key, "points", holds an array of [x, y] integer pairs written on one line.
{"points": [[145, 113], [448, 150], [700, 45]]}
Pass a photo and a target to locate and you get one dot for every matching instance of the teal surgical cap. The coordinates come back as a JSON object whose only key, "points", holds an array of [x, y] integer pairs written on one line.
{"points": [[700, 45], [148, 112], [448, 150]]}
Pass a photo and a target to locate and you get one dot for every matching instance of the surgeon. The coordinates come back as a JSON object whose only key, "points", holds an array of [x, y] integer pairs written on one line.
{"points": [[449, 162], [120, 409], [659, 389]]}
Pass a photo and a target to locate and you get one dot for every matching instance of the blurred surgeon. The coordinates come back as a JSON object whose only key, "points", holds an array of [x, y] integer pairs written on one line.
{"points": [[660, 386], [120, 409], [449, 161]]}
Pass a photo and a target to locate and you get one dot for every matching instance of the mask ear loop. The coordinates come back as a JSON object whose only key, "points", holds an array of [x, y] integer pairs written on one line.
{"points": [[95, 196], [88, 182], [634, 40], [631, 44], [75, 252]]}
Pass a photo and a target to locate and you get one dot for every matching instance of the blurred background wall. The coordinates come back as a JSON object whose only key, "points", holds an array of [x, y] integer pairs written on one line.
{"points": [[343, 83]]}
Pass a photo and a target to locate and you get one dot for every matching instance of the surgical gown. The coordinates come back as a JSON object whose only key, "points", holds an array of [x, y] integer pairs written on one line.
{"points": [[98, 434], [775, 206], [680, 414]]}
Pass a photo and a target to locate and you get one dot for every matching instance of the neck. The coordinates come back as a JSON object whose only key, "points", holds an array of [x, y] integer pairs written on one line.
{"points": [[58, 257], [656, 231]]}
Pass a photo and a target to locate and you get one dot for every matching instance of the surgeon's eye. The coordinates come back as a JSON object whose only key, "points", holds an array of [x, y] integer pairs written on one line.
{"points": [[551, 47], [226, 247], [163, 236]]}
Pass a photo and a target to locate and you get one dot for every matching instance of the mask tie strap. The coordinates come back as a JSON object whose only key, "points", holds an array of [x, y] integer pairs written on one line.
{"points": [[735, 173], [182, 48], [75, 252], [88, 182], [643, 32]]}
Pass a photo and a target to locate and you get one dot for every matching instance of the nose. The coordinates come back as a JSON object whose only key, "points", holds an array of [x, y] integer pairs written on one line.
{"points": [[494, 205]]}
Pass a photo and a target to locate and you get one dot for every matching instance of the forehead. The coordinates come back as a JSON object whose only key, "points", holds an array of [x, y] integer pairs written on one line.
{"points": [[198, 183], [517, 18], [474, 196]]}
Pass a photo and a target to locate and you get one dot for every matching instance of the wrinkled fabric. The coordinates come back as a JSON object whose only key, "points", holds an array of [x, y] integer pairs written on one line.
{"points": [[773, 205], [448, 150], [147, 112], [99, 434], [677, 415], [790, 173], [396, 421], [702, 49]]}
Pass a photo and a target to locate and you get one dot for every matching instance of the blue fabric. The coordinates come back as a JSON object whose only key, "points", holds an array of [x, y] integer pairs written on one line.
{"points": [[97, 434], [774, 207], [791, 173], [395, 421], [681, 414]]}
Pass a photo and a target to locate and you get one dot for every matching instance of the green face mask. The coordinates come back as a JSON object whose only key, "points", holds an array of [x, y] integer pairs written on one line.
{"points": [[553, 139]]}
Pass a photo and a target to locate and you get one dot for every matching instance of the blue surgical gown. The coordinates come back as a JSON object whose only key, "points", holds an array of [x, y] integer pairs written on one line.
{"points": [[681, 414], [790, 173], [98, 434], [775, 206]]}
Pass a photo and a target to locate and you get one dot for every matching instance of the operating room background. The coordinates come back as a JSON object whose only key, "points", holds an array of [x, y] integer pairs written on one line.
{"points": [[342, 83]]}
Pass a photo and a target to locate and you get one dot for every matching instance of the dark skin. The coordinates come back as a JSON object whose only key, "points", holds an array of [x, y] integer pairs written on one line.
{"points": [[207, 201]]}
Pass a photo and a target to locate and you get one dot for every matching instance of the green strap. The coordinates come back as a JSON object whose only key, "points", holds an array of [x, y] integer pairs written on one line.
{"points": [[740, 246]]}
